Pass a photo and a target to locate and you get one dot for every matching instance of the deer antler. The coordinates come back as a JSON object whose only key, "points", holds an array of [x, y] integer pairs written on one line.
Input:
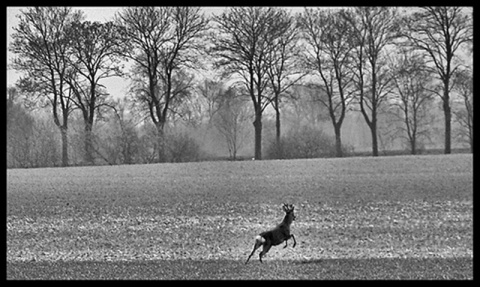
{"points": [[287, 207]]}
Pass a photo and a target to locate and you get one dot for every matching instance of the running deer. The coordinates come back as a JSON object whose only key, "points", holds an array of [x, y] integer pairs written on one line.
{"points": [[277, 235]]}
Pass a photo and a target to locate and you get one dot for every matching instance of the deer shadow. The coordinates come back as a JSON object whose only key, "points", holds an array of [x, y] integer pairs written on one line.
{"points": [[310, 261]]}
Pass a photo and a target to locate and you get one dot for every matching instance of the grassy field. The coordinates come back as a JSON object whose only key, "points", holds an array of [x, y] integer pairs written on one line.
{"points": [[357, 218]]}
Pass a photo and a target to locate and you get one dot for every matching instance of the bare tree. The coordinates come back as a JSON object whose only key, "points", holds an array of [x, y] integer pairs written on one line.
{"points": [[122, 141], [411, 79], [464, 116], [31, 135], [20, 125], [161, 41], [243, 41], [94, 56], [329, 55], [374, 29], [146, 29], [229, 119], [440, 32], [304, 108], [41, 45], [209, 91], [283, 69], [183, 106]]}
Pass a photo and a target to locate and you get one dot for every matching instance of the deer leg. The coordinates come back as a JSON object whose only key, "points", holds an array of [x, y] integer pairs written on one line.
{"points": [[258, 242], [294, 241], [265, 249], [286, 240]]}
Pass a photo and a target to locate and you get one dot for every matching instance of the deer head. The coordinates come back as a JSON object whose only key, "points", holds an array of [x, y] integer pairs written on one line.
{"points": [[288, 208]]}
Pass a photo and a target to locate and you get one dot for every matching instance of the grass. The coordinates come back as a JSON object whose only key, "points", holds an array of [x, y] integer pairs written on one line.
{"points": [[368, 218], [327, 269]]}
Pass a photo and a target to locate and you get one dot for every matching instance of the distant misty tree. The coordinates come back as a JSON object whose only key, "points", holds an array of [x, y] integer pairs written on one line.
{"points": [[230, 117], [304, 108], [412, 97], [118, 135], [463, 83], [31, 136], [20, 126], [209, 92]]}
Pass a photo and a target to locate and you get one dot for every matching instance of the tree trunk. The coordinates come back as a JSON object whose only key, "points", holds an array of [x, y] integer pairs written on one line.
{"points": [[258, 135], [89, 159], [278, 146], [338, 141], [277, 126], [234, 154], [161, 142], [373, 129], [372, 124], [471, 138], [413, 143], [448, 119], [63, 131], [88, 117]]}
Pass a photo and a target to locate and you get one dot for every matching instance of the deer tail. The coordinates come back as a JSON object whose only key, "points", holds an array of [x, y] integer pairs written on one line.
{"points": [[259, 239]]}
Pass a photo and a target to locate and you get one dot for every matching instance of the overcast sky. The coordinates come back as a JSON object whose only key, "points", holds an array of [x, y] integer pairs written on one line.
{"points": [[115, 86]]}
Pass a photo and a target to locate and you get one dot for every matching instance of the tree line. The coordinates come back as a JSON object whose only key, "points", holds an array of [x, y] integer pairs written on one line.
{"points": [[370, 60]]}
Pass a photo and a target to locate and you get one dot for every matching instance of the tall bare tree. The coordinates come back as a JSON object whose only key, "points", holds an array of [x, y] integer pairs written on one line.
{"points": [[229, 119], [411, 81], [162, 41], [329, 54], [375, 28], [41, 45], [244, 39], [209, 92], [440, 32], [20, 125], [283, 69], [464, 87], [94, 56]]}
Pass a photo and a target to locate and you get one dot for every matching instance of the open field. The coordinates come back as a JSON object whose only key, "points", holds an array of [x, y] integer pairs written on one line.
{"points": [[393, 217], [325, 269]]}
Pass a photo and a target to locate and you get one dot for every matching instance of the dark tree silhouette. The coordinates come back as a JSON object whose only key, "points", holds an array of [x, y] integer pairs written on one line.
{"points": [[41, 46], [440, 32], [329, 40], [243, 42], [161, 41], [375, 29], [94, 56]]}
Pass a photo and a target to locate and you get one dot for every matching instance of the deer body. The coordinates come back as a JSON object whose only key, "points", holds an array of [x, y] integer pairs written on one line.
{"points": [[276, 236]]}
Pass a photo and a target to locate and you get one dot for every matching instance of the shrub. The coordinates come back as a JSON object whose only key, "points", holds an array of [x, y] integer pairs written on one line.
{"points": [[182, 148], [303, 142]]}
